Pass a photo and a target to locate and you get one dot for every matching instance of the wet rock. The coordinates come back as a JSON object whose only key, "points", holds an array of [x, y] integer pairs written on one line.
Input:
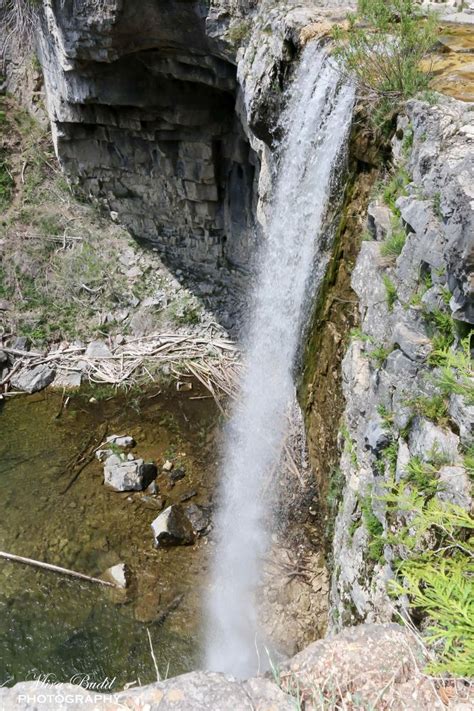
{"points": [[199, 516], [31, 381], [172, 528], [121, 440], [98, 349], [119, 575], [124, 475]]}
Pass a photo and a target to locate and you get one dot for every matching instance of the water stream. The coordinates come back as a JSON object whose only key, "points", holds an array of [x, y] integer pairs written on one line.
{"points": [[315, 127]]}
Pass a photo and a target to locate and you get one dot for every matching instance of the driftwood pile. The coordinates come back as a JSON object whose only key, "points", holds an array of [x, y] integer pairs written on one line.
{"points": [[214, 361]]}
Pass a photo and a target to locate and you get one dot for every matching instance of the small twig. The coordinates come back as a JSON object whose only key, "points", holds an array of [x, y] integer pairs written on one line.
{"points": [[54, 568], [157, 671]]}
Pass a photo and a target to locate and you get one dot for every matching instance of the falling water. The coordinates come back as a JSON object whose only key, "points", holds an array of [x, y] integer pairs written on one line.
{"points": [[315, 126]]}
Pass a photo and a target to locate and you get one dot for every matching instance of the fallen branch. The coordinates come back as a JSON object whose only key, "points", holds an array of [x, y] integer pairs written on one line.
{"points": [[54, 568]]}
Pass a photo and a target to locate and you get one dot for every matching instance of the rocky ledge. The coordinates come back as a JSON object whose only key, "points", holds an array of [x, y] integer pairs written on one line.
{"points": [[344, 672]]}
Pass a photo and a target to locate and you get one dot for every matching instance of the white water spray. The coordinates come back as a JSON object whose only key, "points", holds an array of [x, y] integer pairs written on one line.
{"points": [[315, 125]]}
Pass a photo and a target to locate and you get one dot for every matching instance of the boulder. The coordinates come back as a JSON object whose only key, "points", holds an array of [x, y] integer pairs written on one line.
{"points": [[172, 528], [415, 345], [98, 349], [128, 475], [199, 516], [455, 487], [427, 441], [34, 379], [379, 221]]}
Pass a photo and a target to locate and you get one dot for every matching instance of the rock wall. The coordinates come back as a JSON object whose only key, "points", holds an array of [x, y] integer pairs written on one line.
{"points": [[164, 112], [387, 370], [142, 106]]}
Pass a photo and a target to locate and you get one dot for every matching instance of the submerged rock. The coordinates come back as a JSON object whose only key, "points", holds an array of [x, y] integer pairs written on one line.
{"points": [[173, 528], [31, 381], [125, 475]]}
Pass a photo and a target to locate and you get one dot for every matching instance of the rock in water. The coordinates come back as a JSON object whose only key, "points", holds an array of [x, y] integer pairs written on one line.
{"points": [[119, 575], [30, 381], [172, 528], [124, 475], [121, 440], [199, 518]]}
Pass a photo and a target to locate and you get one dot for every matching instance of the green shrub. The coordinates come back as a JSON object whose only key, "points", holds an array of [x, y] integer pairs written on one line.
{"points": [[393, 245], [395, 188], [239, 32], [382, 48], [433, 408]]}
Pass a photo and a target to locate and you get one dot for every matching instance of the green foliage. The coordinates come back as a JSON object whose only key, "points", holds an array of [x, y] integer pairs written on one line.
{"points": [[433, 408], [455, 376], [437, 205], [349, 445], [390, 291], [395, 188], [379, 354], [393, 245], [469, 461], [374, 529], [435, 570], [356, 334], [239, 32], [385, 414], [6, 182], [422, 475], [443, 330], [382, 48]]}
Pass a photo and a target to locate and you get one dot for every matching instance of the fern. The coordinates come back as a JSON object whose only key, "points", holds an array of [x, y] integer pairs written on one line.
{"points": [[435, 568], [445, 592]]}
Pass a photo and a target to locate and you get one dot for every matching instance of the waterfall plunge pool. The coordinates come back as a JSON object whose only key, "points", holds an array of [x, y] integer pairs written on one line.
{"points": [[62, 627]]}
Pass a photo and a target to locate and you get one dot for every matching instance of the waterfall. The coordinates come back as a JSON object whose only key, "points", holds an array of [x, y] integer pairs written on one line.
{"points": [[315, 126]]}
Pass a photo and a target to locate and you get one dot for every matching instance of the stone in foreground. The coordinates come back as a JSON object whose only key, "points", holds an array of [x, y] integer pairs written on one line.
{"points": [[369, 666], [124, 475], [172, 528]]}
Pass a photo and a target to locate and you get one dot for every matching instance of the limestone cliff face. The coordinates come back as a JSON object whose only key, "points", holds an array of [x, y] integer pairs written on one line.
{"points": [[387, 371], [163, 112], [142, 105]]}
